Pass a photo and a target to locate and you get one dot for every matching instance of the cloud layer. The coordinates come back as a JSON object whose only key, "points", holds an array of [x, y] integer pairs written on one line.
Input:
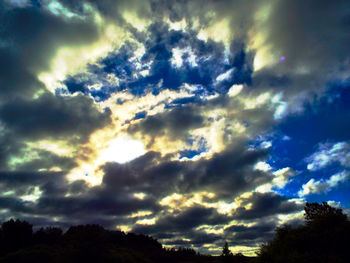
{"points": [[207, 88]]}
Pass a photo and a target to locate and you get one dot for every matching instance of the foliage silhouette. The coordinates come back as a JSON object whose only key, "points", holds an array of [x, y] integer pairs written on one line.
{"points": [[323, 214], [227, 256], [86, 243], [15, 235], [226, 252], [48, 235], [324, 238]]}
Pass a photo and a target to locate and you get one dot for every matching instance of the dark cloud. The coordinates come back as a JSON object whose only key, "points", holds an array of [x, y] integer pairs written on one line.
{"points": [[172, 229], [30, 37], [82, 206], [23, 183], [197, 240], [185, 221], [311, 34], [239, 12], [266, 204], [109, 204], [50, 116], [46, 160], [145, 175], [200, 238], [313, 39], [243, 235], [227, 174], [175, 123], [10, 146], [73, 202], [15, 205]]}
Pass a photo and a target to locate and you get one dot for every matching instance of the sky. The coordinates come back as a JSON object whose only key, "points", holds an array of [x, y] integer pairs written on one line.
{"points": [[195, 122]]}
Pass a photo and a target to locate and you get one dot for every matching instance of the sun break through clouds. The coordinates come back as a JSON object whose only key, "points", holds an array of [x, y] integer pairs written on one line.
{"points": [[193, 121]]}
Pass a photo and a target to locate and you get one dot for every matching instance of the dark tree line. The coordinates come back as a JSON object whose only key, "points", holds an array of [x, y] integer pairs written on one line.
{"points": [[84, 243], [324, 238], [229, 257]]}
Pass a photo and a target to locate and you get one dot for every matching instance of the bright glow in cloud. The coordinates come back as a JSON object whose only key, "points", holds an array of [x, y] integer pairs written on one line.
{"points": [[180, 25], [140, 196], [58, 9], [235, 90], [135, 20], [218, 31], [141, 214], [122, 149], [34, 196], [60, 148], [146, 221], [224, 75], [108, 148]]}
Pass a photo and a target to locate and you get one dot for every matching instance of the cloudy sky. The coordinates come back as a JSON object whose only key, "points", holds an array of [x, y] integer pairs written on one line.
{"points": [[195, 122]]}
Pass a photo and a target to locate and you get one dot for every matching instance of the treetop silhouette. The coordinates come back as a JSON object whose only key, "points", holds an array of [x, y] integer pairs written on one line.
{"points": [[226, 252], [318, 213], [323, 239]]}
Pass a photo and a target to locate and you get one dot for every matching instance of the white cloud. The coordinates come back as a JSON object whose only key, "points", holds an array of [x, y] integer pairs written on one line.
{"points": [[281, 107], [334, 203], [224, 76], [329, 153], [177, 58], [280, 177], [266, 144], [262, 166], [323, 186], [234, 90]]}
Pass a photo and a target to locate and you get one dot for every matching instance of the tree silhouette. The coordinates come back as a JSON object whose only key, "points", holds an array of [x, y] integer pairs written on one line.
{"points": [[226, 252], [48, 235], [323, 213], [323, 239], [93, 243], [15, 235]]}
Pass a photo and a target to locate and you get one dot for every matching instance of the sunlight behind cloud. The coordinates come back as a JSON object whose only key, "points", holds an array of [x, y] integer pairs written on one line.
{"points": [[122, 150]]}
